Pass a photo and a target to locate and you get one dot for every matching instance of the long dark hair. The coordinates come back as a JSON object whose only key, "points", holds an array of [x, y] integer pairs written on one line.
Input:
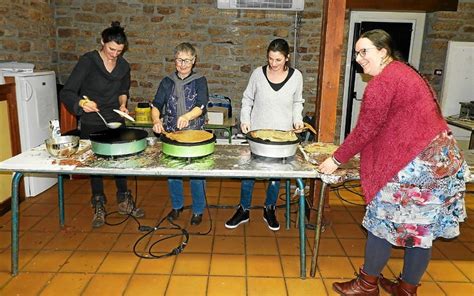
{"points": [[281, 46], [382, 39], [115, 33]]}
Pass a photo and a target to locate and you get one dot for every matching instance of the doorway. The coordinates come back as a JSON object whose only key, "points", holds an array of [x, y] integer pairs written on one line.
{"points": [[407, 31]]}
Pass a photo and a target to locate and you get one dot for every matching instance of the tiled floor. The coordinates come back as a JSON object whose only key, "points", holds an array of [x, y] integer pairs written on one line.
{"points": [[250, 260]]}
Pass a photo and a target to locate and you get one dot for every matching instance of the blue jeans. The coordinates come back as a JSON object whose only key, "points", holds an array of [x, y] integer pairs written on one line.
{"points": [[246, 191], [175, 187]]}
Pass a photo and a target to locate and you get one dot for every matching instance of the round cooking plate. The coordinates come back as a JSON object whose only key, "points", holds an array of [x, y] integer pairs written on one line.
{"points": [[117, 136], [179, 149], [272, 149], [119, 142]]}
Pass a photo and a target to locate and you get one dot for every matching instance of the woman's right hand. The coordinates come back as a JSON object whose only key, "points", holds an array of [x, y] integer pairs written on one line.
{"points": [[328, 166], [88, 106], [245, 127], [158, 126]]}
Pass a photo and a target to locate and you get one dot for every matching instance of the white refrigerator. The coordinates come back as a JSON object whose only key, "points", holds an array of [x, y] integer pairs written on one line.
{"points": [[37, 104]]}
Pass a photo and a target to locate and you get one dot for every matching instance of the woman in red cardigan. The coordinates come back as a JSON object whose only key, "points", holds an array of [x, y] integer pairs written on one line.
{"points": [[412, 171]]}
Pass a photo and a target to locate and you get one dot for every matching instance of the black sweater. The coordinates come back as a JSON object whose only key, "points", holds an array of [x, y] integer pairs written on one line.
{"points": [[90, 77]]}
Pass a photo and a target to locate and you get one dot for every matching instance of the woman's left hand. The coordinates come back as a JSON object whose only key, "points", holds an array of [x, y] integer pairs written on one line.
{"points": [[183, 122], [328, 166], [123, 108], [298, 125]]}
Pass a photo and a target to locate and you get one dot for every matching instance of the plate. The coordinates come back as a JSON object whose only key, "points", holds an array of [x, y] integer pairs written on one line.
{"points": [[123, 114]]}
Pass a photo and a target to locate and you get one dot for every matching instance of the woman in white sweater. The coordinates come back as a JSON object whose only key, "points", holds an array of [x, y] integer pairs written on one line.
{"points": [[273, 99]]}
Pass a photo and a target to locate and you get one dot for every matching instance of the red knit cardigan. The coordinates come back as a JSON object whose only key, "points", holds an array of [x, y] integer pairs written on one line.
{"points": [[398, 119]]}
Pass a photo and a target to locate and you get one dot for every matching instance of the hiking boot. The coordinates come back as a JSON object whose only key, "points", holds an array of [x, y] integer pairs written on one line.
{"points": [[127, 205], [174, 214], [240, 216], [196, 219], [270, 217], [99, 215]]}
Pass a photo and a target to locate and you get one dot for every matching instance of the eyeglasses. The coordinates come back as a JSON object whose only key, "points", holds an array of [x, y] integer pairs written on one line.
{"points": [[362, 52], [184, 61]]}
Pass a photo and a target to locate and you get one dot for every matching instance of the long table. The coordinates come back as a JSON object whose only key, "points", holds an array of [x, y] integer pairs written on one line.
{"points": [[228, 161]]}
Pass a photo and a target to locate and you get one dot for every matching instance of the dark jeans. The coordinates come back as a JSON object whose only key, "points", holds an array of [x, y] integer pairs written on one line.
{"points": [[175, 187], [246, 191], [97, 182]]}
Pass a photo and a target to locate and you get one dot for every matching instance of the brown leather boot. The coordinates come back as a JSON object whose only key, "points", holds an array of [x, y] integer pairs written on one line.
{"points": [[399, 287], [363, 285], [127, 205]]}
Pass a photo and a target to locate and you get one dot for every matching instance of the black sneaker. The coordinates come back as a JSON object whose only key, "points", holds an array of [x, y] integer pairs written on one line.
{"points": [[196, 219], [240, 216], [270, 217], [174, 214]]}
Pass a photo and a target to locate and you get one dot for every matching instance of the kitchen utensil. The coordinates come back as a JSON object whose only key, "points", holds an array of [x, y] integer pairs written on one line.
{"points": [[119, 142], [62, 146], [306, 126], [112, 124], [272, 149], [123, 114]]}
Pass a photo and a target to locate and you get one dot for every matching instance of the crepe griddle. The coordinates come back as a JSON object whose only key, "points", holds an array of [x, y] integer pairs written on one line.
{"points": [[272, 149], [119, 142], [187, 150]]}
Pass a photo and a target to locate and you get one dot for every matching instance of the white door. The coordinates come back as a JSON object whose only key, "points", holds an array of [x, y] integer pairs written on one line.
{"points": [[406, 28]]}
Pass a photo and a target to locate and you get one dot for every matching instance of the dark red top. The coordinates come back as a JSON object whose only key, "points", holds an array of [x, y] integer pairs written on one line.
{"points": [[398, 119]]}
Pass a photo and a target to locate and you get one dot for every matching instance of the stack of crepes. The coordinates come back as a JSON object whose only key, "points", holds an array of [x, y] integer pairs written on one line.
{"points": [[274, 135], [320, 148], [189, 136]]}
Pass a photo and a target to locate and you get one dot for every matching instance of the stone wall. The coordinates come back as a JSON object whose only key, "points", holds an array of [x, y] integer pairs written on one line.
{"points": [[27, 33], [440, 28], [230, 43]]}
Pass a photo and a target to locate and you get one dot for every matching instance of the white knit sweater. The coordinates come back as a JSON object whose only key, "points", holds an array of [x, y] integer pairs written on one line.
{"points": [[264, 108]]}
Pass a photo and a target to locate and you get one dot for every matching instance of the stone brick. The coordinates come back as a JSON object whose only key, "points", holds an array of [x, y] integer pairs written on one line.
{"points": [[282, 33], [67, 56], [447, 26], [89, 18], [105, 7], [146, 84], [67, 32], [148, 9], [165, 10], [468, 29], [9, 44], [157, 18], [24, 46]]}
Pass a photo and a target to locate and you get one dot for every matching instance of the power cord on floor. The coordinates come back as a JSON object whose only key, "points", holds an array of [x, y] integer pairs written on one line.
{"points": [[150, 254]]}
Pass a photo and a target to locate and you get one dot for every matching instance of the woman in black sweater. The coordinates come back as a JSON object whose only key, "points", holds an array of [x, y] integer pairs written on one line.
{"points": [[104, 77]]}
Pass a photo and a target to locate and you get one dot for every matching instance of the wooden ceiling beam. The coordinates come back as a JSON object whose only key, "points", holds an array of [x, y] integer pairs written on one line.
{"points": [[404, 5]]}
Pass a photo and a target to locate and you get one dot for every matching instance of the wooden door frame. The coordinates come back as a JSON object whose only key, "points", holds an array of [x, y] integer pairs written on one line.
{"points": [[332, 43]]}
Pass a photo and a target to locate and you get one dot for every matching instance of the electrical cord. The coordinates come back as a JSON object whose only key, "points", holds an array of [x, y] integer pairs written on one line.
{"points": [[150, 254]]}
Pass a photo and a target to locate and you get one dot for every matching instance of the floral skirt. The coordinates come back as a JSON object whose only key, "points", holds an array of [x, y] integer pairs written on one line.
{"points": [[425, 200]]}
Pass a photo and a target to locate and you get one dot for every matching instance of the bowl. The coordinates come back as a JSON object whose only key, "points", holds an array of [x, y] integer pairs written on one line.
{"points": [[63, 146]]}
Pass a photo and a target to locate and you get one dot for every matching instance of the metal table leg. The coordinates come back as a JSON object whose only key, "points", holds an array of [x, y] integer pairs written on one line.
{"points": [[61, 200], [288, 201], [15, 231], [301, 223], [314, 258]]}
